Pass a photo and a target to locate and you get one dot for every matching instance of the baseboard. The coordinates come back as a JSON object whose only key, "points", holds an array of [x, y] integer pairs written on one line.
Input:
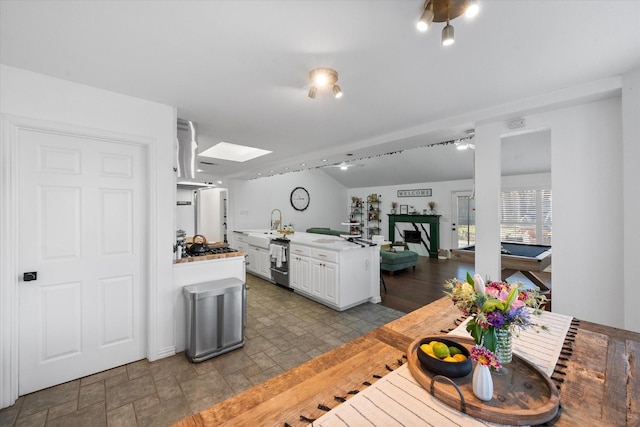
{"points": [[166, 352]]}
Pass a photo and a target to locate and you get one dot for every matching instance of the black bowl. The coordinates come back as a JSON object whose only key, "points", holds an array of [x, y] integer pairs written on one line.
{"points": [[440, 367]]}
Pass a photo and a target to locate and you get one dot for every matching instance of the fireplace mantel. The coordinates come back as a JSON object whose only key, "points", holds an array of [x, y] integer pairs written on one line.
{"points": [[433, 236]]}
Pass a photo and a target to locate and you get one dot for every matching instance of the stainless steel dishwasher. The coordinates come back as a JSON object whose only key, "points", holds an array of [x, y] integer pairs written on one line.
{"points": [[216, 315], [279, 255]]}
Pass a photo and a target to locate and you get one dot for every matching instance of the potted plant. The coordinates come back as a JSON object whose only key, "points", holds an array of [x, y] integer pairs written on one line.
{"points": [[394, 205]]}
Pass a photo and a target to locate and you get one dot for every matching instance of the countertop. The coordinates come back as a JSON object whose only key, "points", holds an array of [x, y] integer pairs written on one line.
{"points": [[596, 377], [322, 241], [210, 257]]}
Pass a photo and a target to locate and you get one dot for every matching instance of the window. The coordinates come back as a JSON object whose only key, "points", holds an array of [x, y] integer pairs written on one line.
{"points": [[525, 216], [466, 229]]}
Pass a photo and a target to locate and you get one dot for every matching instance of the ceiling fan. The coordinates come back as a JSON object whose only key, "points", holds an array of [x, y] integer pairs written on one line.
{"points": [[343, 166]]}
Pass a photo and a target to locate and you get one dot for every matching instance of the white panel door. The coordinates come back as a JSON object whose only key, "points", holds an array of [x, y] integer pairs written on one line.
{"points": [[82, 229]]}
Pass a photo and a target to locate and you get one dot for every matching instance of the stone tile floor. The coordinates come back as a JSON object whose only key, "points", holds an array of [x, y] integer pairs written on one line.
{"points": [[283, 330]]}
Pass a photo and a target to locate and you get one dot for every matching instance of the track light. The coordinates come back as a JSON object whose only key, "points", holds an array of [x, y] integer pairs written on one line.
{"points": [[426, 19], [472, 8], [447, 35], [321, 78], [445, 11]]}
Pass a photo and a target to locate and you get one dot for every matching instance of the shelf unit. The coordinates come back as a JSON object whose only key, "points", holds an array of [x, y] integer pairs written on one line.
{"points": [[373, 213], [356, 216]]}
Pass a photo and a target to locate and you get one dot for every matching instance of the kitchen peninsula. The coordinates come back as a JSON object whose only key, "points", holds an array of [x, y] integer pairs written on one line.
{"points": [[328, 269]]}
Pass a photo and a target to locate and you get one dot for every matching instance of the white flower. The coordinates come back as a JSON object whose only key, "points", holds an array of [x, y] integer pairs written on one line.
{"points": [[478, 284]]}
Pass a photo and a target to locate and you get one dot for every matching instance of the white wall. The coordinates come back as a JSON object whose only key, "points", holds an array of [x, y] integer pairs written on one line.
{"points": [[587, 183], [587, 212], [251, 202], [39, 97], [631, 197]]}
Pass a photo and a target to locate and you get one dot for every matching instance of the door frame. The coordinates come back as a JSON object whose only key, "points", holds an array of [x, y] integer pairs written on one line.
{"points": [[10, 276], [454, 209]]}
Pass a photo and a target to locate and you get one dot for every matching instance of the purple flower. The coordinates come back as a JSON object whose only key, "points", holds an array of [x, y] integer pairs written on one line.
{"points": [[495, 318]]}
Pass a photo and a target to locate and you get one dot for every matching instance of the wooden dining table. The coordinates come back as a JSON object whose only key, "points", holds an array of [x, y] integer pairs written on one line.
{"points": [[597, 375]]}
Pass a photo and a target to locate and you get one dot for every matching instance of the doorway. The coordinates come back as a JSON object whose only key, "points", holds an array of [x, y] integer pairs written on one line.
{"points": [[463, 227]]}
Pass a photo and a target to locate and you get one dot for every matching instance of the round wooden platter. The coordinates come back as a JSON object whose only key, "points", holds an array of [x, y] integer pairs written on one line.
{"points": [[524, 396]]}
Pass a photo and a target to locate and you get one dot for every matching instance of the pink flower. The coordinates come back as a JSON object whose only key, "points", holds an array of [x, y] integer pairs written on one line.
{"points": [[484, 357], [517, 304]]}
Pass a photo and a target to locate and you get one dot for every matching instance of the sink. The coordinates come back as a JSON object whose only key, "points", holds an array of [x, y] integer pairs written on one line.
{"points": [[259, 240]]}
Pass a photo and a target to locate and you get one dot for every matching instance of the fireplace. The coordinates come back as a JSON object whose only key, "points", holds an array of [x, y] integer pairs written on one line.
{"points": [[411, 236]]}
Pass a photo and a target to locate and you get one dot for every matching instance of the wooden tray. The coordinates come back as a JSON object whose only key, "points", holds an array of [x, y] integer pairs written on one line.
{"points": [[522, 397]]}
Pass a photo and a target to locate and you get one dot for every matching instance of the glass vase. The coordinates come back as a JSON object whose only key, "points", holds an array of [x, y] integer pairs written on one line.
{"points": [[504, 343]]}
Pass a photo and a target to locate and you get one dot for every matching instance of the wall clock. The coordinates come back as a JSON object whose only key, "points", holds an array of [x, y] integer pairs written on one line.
{"points": [[299, 199]]}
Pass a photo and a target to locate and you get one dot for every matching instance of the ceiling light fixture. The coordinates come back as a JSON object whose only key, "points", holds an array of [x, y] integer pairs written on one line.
{"points": [[427, 17], [447, 35], [322, 78], [472, 9], [445, 11]]}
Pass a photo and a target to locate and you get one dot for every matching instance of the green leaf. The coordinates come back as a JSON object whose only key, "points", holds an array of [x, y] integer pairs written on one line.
{"points": [[469, 279], [490, 340], [491, 305], [511, 297], [475, 330]]}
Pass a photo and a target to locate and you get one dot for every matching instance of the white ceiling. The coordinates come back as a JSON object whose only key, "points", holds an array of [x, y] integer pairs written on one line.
{"points": [[239, 69]]}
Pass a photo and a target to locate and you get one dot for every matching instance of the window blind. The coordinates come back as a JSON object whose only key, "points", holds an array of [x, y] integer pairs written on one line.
{"points": [[525, 216]]}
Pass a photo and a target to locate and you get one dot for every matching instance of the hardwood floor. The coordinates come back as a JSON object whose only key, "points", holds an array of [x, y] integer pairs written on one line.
{"points": [[408, 290]]}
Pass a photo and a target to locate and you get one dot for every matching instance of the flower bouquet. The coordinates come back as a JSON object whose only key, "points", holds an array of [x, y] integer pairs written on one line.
{"points": [[495, 307]]}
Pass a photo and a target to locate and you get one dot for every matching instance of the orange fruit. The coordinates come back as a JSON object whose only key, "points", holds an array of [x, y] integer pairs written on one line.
{"points": [[459, 357]]}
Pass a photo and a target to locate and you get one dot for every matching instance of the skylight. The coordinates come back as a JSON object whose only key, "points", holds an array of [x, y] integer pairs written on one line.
{"points": [[233, 152]]}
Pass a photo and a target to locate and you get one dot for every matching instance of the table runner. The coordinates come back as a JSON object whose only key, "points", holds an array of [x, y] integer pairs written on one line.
{"points": [[398, 400], [539, 346]]}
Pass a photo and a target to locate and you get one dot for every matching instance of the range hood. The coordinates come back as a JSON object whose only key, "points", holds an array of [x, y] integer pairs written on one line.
{"points": [[187, 149]]}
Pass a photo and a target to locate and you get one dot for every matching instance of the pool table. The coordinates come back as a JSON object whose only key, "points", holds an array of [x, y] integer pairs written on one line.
{"points": [[527, 259]]}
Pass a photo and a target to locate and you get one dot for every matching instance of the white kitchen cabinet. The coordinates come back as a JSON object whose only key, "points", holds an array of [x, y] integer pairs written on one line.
{"points": [[264, 263], [242, 246], [259, 262], [240, 242], [299, 268], [324, 280], [252, 267], [339, 279]]}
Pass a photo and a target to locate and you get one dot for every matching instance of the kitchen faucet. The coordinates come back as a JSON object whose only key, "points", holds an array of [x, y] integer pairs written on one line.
{"points": [[276, 224]]}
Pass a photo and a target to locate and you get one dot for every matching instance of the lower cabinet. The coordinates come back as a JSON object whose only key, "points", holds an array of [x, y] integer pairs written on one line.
{"points": [[338, 279], [259, 262], [324, 280], [299, 272], [299, 268]]}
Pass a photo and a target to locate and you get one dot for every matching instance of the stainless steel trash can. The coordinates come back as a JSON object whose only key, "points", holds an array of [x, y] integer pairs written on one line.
{"points": [[216, 313]]}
